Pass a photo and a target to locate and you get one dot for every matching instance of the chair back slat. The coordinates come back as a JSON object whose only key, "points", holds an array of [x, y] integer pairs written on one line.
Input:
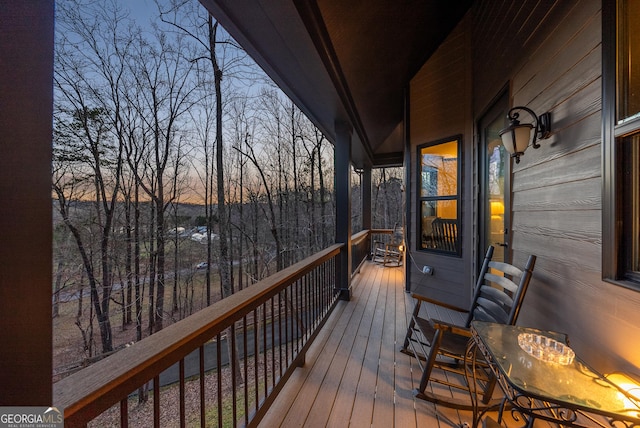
{"points": [[498, 296], [480, 314], [506, 268], [500, 290], [495, 302], [502, 281], [397, 236]]}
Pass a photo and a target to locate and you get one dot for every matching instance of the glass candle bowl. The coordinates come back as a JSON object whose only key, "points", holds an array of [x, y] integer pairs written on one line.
{"points": [[546, 349]]}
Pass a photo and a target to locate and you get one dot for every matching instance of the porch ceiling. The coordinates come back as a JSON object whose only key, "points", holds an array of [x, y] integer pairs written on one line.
{"points": [[344, 61]]}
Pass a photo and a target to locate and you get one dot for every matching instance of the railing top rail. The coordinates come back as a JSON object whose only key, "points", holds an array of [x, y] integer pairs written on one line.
{"points": [[381, 231], [104, 383], [356, 238]]}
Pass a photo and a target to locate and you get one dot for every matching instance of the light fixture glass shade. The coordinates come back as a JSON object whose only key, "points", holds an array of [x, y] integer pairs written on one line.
{"points": [[516, 138]]}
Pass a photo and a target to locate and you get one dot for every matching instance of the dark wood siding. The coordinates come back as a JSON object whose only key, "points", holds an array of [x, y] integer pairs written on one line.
{"points": [[550, 54], [557, 211], [440, 102]]}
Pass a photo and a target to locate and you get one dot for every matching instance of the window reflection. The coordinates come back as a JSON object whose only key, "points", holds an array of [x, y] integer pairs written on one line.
{"points": [[628, 60], [439, 172]]}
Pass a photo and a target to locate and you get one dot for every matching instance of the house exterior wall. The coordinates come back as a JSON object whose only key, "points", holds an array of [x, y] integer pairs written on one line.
{"points": [[550, 56], [440, 107]]}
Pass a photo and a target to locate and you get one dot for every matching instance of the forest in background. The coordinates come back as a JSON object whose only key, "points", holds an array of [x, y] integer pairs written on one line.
{"points": [[181, 173]]}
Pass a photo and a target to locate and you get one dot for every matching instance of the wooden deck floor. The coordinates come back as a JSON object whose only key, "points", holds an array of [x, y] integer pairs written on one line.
{"points": [[354, 373]]}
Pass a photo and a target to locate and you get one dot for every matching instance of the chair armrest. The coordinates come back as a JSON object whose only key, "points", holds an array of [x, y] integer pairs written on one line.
{"points": [[438, 303], [450, 328]]}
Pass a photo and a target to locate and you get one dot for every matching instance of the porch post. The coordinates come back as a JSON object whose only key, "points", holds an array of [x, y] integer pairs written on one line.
{"points": [[366, 198], [26, 108], [366, 203], [343, 208], [408, 170]]}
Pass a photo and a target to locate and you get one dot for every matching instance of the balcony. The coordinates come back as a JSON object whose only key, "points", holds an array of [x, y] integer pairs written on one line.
{"points": [[354, 373], [320, 361]]}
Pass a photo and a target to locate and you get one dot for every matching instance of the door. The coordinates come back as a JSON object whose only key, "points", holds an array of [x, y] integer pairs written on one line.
{"points": [[494, 176]]}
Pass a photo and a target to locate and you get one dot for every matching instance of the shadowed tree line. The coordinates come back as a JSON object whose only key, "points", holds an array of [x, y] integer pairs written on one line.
{"points": [[159, 129]]}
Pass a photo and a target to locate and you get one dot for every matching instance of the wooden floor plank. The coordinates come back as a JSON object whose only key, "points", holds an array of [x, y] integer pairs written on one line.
{"points": [[405, 414], [364, 402], [383, 411], [342, 411], [316, 369], [332, 382], [285, 402], [354, 374]]}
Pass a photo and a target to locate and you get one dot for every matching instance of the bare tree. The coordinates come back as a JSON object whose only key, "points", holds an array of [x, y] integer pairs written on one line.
{"points": [[92, 46], [235, 184], [66, 272], [130, 105], [387, 193], [222, 54], [164, 92], [327, 218], [203, 121], [270, 211], [81, 143]]}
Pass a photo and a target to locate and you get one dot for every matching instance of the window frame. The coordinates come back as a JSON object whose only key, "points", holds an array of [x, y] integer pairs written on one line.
{"points": [[614, 260], [457, 198]]}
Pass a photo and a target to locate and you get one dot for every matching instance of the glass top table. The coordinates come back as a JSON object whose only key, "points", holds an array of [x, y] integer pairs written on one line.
{"points": [[542, 378]]}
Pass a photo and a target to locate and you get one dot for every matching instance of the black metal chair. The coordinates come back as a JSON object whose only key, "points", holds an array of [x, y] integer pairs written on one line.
{"points": [[436, 344]]}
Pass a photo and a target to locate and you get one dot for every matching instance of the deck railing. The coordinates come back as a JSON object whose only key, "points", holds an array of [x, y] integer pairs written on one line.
{"points": [[230, 359], [360, 250]]}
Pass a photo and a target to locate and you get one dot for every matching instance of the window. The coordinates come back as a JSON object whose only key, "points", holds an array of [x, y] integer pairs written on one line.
{"points": [[439, 196], [629, 173], [621, 143], [628, 60]]}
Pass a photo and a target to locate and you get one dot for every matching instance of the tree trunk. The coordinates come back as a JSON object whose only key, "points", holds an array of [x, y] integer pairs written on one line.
{"points": [[56, 290], [296, 186], [223, 262], [176, 264], [136, 263], [128, 259], [161, 251], [323, 196], [103, 319], [152, 271]]}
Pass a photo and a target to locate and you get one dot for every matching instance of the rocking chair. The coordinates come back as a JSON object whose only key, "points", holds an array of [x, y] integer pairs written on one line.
{"points": [[390, 252], [498, 296]]}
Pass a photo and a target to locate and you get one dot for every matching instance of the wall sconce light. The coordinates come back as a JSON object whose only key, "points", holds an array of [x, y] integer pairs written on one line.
{"points": [[516, 136]]}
